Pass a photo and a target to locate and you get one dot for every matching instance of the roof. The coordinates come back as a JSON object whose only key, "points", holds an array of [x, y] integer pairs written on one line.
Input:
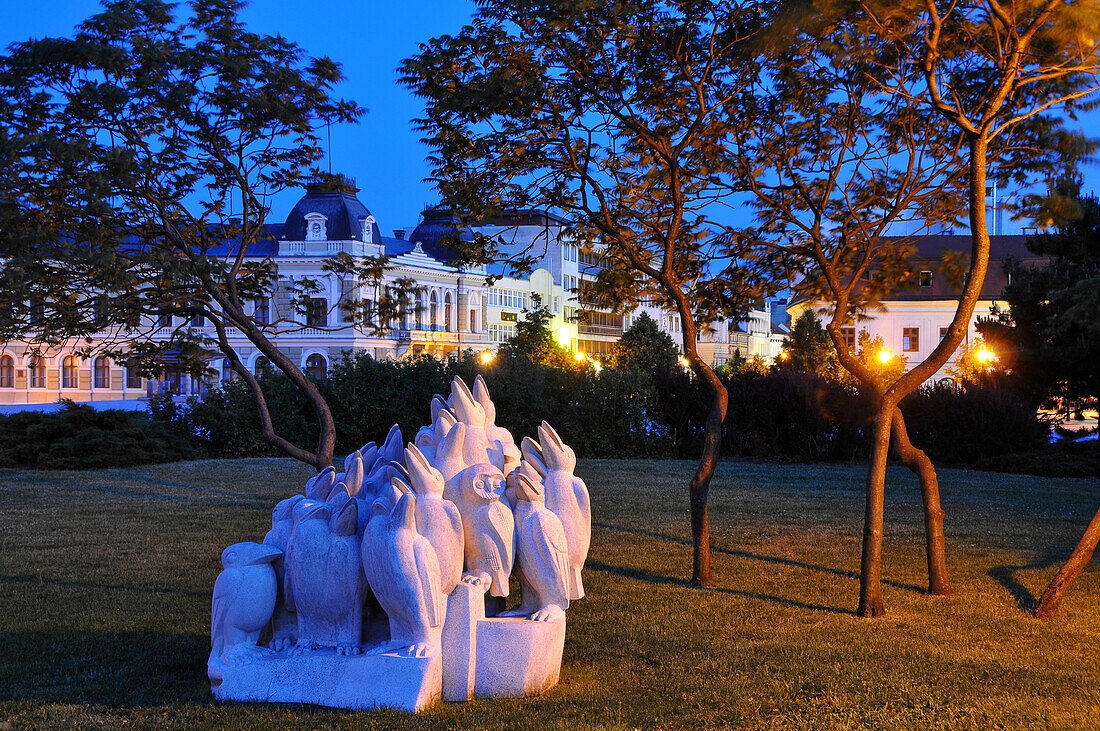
{"points": [[342, 210]]}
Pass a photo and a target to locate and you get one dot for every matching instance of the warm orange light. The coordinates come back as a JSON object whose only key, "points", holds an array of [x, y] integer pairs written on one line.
{"points": [[579, 356], [597, 366], [682, 361], [487, 356], [984, 355], [783, 355], [885, 356]]}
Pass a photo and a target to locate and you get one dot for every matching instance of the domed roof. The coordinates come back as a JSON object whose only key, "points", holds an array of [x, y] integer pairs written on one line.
{"points": [[334, 198], [439, 222]]}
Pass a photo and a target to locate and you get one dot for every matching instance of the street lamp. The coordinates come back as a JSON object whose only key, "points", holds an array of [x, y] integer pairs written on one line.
{"points": [[597, 366], [885, 356], [487, 357], [984, 356]]}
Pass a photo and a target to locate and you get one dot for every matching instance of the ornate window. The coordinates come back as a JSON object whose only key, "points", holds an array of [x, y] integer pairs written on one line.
{"points": [[36, 373], [7, 372], [69, 372], [102, 372], [316, 228], [316, 366]]}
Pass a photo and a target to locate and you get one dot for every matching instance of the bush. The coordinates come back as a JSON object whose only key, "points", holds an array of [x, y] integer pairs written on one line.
{"points": [[79, 437]]}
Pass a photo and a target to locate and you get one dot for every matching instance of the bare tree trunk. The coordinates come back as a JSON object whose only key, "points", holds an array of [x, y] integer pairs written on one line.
{"points": [[1071, 569], [700, 483], [870, 571], [935, 545]]}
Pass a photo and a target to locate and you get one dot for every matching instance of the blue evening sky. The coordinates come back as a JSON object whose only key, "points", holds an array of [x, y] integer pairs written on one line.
{"points": [[369, 38]]}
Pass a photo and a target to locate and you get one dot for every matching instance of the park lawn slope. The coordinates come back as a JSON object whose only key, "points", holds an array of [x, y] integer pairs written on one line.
{"points": [[105, 581]]}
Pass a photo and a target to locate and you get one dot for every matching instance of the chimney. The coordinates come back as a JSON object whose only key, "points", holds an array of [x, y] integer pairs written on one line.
{"points": [[399, 233]]}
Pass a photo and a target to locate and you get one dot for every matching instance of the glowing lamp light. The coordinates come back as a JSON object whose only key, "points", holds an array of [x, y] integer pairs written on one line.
{"points": [[984, 355], [682, 361], [885, 356], [783, 355], [562, 336], [579, 356], [597, 366], [487, 356]]}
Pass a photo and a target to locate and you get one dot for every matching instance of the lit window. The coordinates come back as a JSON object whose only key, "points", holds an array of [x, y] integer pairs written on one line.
{"points": [[102, 371], [69, 376], [910, 339], [926, 278], [7, 372]]}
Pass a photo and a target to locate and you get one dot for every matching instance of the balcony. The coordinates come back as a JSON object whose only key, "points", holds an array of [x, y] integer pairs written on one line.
{"points": [[610, 331]]}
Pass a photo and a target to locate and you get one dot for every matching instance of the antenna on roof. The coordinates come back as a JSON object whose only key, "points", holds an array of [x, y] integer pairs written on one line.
{"points": [[328, 127]]}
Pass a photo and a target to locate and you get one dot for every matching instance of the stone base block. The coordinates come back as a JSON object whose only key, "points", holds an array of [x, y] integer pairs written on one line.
{"points": [[324, 678], [517, 657]]}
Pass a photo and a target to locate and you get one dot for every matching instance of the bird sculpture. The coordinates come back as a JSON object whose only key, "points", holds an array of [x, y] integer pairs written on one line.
{"points": [[323, 575], [321, 484], [500, 439], [437, 518], [404, 575], [487, 525], [542, 555], [284, 622], [567, 497], [244, 599]]}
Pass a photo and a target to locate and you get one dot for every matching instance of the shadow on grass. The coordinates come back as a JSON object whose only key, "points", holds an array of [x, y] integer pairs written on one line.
{"points": [[651, 578], [104, 668], [38, 581], [253, 502], [1006, 577], [758, 557]]}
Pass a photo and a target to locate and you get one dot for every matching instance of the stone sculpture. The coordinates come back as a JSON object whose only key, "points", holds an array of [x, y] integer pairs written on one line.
{"points": [[244, 600], [430, 529]]}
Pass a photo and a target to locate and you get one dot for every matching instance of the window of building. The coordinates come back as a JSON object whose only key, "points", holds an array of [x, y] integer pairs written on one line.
{"points": [[433, 314], [317, 312], [943, 333], [36, 373], [926, 278], [262, 313], [7, 372], [316, 366], [133, 378], [38, 313], [102, 373], [512, 298], [447, 312], [910, 339], [262, 365], [69, 374], [228, 374], [198, 320], [419, 311], [164, 320], [501, 333], [473, 321], [848, 335]]}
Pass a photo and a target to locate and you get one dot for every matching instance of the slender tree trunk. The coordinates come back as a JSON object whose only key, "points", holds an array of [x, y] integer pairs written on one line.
{"points": [[935, 545], [700, 483], [870, 572], [1071, 569]]}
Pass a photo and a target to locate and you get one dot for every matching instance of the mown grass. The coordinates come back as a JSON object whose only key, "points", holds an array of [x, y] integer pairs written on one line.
{"points": [[105, 581]]}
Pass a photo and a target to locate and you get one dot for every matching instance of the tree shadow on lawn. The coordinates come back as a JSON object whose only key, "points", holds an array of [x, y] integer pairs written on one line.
{"points": [[1006, 577], [758, 557], [104, 668], [652, 578]]}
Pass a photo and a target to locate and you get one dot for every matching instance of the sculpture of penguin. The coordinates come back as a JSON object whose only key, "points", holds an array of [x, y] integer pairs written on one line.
{"points": [[284, 622], [526, 467], [322, 576], [488, 527], [542, 555], [437, 519], [244, 599], [319, 486], [567, 497], [476, 447], [404, 575], [393, 449], [500, 439]]}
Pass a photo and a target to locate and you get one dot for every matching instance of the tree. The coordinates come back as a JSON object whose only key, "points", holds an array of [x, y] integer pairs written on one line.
{"points": [[535, 340], [808, 348], [139, 156], [1049, 337], [616, 115], [892, 113], [644, 346]]}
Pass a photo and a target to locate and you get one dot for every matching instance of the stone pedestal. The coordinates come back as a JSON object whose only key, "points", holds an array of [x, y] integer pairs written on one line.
{"points": [[324, 678], [496, 657]]}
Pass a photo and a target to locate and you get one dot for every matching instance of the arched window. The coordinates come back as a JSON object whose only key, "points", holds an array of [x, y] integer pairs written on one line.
{"points": [[447, 312], [69, 378], [433, 315], [316, 366], [36, 373], [419, 311], [102, 370], [262, 364], [7, 372]]}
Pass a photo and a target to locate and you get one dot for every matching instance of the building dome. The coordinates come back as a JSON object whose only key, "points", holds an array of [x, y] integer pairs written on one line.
{"points": [[438, 223], [333, 198]]}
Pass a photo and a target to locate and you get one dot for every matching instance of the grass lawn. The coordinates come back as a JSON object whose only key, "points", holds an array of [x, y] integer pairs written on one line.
{"points": [[105, 581]]}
